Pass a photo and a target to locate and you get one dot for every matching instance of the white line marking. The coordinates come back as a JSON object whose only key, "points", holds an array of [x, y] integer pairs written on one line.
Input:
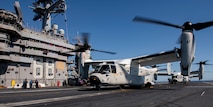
{"points": [[202, 93], [199, 86], [22, 103], [210, 83], [35, 90]]}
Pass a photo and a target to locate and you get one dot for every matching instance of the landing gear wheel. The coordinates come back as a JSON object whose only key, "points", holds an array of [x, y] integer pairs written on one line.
{"points": [[121, 86], [148, 85], [97, 87]]}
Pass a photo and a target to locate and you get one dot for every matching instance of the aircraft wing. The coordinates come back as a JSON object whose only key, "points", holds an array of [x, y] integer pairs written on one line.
{"points": [[159, 58], [97, 62], [164, 73]]}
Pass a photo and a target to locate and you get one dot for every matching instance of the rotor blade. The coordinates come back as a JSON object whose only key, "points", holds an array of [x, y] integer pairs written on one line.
{"points": [[148, 20], [85, 38], [208, 64], [80, 49], [103, 51], [204, 62], [199, 26]]}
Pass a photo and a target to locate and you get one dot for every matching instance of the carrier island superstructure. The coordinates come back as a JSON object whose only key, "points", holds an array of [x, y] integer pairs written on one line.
{"points": [[33, 55]]}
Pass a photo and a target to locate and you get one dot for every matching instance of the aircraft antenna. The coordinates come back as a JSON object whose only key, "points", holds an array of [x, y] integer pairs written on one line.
{"points": [[66, 25], [45, 8]]}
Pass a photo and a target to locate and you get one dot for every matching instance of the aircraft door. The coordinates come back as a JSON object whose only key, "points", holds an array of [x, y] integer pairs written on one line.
{"points": [[108, 74], [112, 78], [105, 73]]}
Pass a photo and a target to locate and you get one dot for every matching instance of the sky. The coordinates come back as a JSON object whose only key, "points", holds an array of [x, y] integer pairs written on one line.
{"points": [[111, 28]]}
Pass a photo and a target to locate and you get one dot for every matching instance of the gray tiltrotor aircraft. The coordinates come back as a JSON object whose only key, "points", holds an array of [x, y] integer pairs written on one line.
{"points": [[187, 41]]}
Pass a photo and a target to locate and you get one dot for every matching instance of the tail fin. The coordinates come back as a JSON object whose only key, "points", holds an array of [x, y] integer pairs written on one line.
{"points": [[201, 71]]}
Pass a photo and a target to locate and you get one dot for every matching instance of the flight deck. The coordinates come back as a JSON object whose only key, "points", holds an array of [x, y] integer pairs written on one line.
{"points": [[195, 94]]}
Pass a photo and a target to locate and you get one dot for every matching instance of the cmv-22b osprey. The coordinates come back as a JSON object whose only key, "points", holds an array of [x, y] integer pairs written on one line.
{"points": [[131, 72]]}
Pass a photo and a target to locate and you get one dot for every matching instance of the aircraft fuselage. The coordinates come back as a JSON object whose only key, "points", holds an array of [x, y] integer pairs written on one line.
{"points": [[115, 74]]}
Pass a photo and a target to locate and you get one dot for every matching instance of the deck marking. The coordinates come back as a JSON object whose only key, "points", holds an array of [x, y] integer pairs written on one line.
{"points": [[35, 90], [22, 103], [202, 93]]}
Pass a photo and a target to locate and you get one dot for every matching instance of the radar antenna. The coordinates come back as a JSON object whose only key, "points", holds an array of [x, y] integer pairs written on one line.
{"points": [[44, 9]]}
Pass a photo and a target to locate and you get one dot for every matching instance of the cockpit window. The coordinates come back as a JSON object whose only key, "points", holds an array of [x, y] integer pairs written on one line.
{"points": [[113, 69], [97, 69], [105, 69]]}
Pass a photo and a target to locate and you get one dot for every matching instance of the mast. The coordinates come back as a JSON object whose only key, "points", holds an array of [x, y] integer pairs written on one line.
{"points": [[45, 8]]}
